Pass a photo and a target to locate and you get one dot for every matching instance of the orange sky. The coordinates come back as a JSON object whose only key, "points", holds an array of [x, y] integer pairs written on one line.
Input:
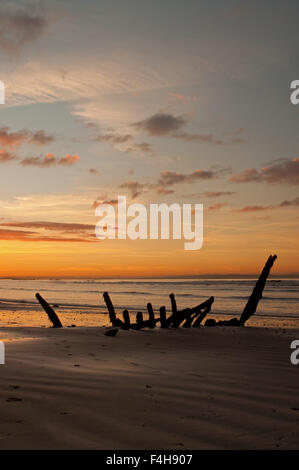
{"points": [[160, 104]]}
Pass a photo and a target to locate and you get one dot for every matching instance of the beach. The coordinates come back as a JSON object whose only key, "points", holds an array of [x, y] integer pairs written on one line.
{"points": [[206, 388]]}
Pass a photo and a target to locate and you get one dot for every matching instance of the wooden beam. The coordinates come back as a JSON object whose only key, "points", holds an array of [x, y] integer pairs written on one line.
{"points": [[163, 317], [112, 315], [251, 305], [197, 322], [49, 310], [139, 318], [151, 315], [126, 322], [173, 304]]}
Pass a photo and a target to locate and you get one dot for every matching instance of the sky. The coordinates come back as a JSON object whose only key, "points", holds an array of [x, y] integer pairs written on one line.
{"points": [[163, 102]]}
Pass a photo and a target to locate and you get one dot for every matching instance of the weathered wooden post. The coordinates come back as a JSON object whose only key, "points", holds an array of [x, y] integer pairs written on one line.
{"points": [[163, 317], [257, 292], [127, 322], [49, 310], [139, 318], [151, 315], [173, 304], [197, 321], [112, 315]]}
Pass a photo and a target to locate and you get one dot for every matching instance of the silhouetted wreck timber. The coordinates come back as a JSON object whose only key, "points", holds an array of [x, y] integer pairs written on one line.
{"points": [[114, 320], [252, 303], [191, 317], [190, 314], [126, 322], [151, 315], [173, 304], [200, 317], [257, 293], [163, 317], [139, 318], [53, 317]]}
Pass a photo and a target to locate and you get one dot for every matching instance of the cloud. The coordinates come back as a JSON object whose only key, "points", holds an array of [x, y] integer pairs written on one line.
{"points": [[119, 139], [82, 232], [98, 202], [114, 138], [165, 124], [255, 208], [161, 190], [46, 225], [181, 97], [42, 162], [134, 187], [50, 160], [28, 236], [18, 27], [15, 139], [41, 138], [246, 176], [217, 206], [218, 193], [143, 147], [169, 178], [286, 203], [207, 138], [294, 202], [166, 179], [68, 160], [285, 172], [6, 156], [161, 124]]}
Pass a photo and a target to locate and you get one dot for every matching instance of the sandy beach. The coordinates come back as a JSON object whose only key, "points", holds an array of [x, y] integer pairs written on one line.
{"points": [[209, 388]]}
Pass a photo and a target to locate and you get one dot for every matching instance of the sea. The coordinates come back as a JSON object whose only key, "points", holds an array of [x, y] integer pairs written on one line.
{"points": [[77, 297]]}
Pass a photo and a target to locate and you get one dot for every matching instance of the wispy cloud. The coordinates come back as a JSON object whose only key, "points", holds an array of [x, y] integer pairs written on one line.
{"points": [[50, 160], [285, 172], [6, 156], [114, 138], [169, 178], [120, 141], [29, 236], [143, 147], [182, 97], [217, 206], [218, 193], [100, 201], [24, 136], [134, 187], [207, 138], [283, 204], [166, 179], [48, 225]]}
